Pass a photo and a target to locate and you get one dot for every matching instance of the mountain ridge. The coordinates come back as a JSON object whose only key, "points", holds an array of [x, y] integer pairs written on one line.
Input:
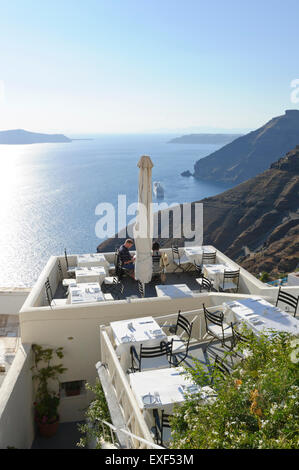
{"points": [[252, 153], [23, 137]]}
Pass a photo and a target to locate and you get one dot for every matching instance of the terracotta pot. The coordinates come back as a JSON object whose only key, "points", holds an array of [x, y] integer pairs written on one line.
{"points": [[48, 429]]}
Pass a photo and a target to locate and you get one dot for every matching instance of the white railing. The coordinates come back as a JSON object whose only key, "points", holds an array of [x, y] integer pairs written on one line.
{"points": [[130, 436], [133, 417]]}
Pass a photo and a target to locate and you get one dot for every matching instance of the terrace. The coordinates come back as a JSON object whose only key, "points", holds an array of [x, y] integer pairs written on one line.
{"points": [[83, 329]]}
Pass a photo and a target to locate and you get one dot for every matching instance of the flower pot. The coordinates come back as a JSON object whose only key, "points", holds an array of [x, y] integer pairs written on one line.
{"points": [[47, 429]]}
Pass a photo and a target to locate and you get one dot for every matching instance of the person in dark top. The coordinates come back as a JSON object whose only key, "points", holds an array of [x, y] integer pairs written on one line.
{"points": [[127, 260]]}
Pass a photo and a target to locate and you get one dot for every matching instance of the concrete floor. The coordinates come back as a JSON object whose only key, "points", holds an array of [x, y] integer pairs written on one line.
{"points": [[66, 437]]}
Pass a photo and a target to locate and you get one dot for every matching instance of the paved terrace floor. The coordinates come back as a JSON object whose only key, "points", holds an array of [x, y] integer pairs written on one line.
{"points": [[131, 286]]}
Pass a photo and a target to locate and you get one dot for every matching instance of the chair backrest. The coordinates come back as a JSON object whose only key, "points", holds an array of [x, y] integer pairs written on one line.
{"points": [[141, 288], [160, 424], [198, 268], [66, 260], [118, 288], [60, 270], [164, 349], [288, 299], [233, 276], [183, 322], [209, 258], [49, 292], [215, 318], [237, 336], [221, 366], [175, 251], [206, 283]]}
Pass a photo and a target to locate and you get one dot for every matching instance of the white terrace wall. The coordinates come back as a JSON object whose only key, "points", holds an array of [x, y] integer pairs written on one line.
{"points": [[11, 300], [16, 408]]}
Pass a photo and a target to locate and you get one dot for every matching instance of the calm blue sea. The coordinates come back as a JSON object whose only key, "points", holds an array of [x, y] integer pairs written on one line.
{"points": [[49, 193]]}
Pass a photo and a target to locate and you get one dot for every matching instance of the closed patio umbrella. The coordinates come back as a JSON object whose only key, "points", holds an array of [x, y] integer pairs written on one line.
{"points": [[143, 229]]}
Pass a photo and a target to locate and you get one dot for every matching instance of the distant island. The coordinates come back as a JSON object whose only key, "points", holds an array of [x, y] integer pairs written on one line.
{"points": [[22, 137], [221, 139]]}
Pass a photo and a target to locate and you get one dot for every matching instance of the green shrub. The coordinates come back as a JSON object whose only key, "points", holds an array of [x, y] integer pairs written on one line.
{"points": [[256, 406], [97, 411]]}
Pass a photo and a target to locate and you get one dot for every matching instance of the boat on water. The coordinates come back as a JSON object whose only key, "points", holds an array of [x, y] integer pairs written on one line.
{"points": [[158, 190]]}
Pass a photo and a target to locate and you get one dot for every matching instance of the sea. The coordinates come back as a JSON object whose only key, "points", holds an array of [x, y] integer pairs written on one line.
{"points": [[49, 193]]}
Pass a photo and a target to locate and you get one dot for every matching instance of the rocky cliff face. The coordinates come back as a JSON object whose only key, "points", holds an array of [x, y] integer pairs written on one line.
{"points": [[257, 222], [251, 154]]}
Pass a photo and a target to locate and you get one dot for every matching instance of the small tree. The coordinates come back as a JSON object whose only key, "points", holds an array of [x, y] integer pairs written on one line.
{"points": [[97, 411], [255, 407], [47, 401]]}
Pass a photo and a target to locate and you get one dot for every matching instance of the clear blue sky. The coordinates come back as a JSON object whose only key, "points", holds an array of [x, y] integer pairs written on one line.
{"points": [[78, 66]]}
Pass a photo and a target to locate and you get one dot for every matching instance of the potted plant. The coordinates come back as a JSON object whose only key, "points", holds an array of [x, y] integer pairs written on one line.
{"points": [[72, 388], [47, 401]]}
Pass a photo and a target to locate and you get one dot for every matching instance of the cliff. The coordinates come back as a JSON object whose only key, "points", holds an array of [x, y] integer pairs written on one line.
{"points": [[252, 153], [21, 137], [255, 223]]}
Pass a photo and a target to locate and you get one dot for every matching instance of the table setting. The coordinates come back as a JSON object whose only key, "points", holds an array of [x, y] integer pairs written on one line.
{"points": [[260, 315]]}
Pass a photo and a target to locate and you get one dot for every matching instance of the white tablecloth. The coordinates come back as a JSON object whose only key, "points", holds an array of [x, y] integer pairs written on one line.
{"points": [[173, 290], [169, 383], [85, 292], [215, 273], [260, 316], [194, 253], [92, 274], [92, 259], [141, 332]]}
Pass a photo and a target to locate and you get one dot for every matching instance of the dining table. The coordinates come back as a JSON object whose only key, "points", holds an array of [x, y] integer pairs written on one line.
{"points": [[85, 293], [162, 388], [195, 253], [90, 274], [215, 273], [92, 259], [260, 316], [173, 290], [127, 333]]}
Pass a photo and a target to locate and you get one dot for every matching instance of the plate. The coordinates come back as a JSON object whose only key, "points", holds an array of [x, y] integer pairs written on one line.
{"points": [[191, 388], [149, 399], [157, 332], [125, 339]]}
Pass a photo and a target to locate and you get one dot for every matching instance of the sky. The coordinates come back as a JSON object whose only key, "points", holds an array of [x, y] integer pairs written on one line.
{"points": [[138, 66]]}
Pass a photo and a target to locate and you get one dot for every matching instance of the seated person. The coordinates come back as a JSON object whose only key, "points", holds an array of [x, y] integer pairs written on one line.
{"points": [[158, 262], [127, 260]]}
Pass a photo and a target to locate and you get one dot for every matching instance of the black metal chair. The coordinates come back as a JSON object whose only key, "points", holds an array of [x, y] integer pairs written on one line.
{"points": [[181, 262], [49, 293], [288, 299], [157, 268], [71, 270], [208, 258], [120, 268], [219, 330], [231, 280], [221, 366], [154, 352], [180, 343], [204, 284], [141, 289], [117, 289], [158, 429]]}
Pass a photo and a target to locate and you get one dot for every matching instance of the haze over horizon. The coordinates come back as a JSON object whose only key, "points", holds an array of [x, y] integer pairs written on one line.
{"points": [[146, 67]]}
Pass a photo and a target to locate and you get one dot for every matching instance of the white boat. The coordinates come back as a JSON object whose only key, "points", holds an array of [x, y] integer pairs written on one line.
{"points": [[158, 190]]}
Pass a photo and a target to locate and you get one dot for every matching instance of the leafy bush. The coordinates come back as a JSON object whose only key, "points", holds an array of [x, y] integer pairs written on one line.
{"points": [[47, 401], [256, 406], [264, 276], [96, 412]]}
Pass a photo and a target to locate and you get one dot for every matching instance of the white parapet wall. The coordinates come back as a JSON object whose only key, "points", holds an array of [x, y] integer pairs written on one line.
{"points": [[16, 407], [12, 299]]}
